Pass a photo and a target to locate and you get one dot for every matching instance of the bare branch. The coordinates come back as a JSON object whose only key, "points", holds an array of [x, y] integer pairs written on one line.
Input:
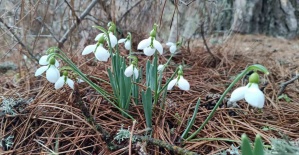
{"points": [[39, 19], [82, 16], [30, 52], [73, 10], [205, 42]]}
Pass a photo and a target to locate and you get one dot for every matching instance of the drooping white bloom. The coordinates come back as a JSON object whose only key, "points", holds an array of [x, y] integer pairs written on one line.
{"points": [[101, 53], [52, 73], [251, 93], [161, 68], [131, 70], [127, 43], [62, 80], [113, 39], [181, 82], [149, 49], [172, 47]]}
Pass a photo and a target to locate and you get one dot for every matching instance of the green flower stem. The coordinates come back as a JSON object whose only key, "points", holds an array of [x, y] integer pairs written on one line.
{"points": [[99, 79], [166, 84], [156, 78], [215, 139], [93, 85], [161, 75], [239, 77]]}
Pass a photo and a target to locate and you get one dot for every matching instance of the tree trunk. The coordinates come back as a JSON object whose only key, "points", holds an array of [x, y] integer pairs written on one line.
{"points": [[271, 17]]}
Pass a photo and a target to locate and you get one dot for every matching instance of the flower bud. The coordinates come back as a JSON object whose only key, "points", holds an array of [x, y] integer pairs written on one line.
{"points": [[254, 78], [52, 61], [153, 33], [65, 73], [112, 27], [101, 40]]}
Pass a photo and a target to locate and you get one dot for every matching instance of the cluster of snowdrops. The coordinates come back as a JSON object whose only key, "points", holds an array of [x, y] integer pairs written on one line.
{"points": [[251, 92]]}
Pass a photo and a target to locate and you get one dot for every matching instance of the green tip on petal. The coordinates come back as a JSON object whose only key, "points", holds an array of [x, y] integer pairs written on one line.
{"points": [[254, 78]]}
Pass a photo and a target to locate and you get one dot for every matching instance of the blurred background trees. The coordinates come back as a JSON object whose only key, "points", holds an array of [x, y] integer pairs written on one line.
{"points": [[42, 23]]}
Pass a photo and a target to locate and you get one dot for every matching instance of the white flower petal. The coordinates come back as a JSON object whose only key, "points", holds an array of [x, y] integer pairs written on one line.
{"points": [[238, 94], [158, 46], [121, 40], [170, 44], [160, 68], [254, 96], [40, 70], [102, 54], [172, 49], [144, 43], [183, 84], [129, 71], [113, 39], [59, 83], [43, 60], [88, 49], [172, 83], [98, 36], [56, 63], [148, 51], [52, 74], [70, 83], [136, 73], [128, 45], [80, 80]]}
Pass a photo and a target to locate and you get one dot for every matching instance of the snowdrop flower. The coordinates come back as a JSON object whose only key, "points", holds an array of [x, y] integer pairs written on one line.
{"points": [[99, 51], [50, 66], [180, 81], [127, 43], [64, 79], [150, 45], [131, 70], [113, 39], [172, 47], [161, 68], [251, 92], [111, 30]]}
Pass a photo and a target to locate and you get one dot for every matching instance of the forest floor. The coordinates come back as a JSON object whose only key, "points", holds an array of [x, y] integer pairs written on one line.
{"points": [[47, 119]]}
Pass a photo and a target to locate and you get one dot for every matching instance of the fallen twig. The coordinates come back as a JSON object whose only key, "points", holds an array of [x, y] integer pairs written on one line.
{"points": [[285, 84], [165, 145]]}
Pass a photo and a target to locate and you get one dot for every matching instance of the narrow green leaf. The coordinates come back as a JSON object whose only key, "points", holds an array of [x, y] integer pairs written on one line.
{"points": [[258, 146], [245, 146], [101, 29], [147, 106], [191, 122]]}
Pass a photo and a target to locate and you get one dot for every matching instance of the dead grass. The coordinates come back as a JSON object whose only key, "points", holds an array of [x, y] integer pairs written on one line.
{"points": [[52, 121]]}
